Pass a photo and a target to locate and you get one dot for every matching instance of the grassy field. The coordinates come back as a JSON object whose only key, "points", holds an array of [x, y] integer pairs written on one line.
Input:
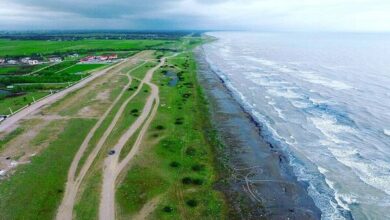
{"points": [[80, 68], [140, 72], [176, 167], [87, 206], [35, 190], [29, 47], [18, 102], [61, 138], [12, 70]]}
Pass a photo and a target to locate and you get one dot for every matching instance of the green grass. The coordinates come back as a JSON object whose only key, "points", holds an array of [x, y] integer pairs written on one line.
{"points": [[10, 136], [36, 189], [29, 47], [18, 102], [20, 69], [8, 69], [128, 116], [178, 135], [87, 206], [57, 68], [81, 68], [140, 72]]}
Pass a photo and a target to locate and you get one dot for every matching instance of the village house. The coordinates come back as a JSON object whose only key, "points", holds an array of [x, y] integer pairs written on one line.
{"points": [[102, 58], [25, 60], [73, 55], [12, 62], [2, 61], [33, 62], [55, 59], [113, 56]]}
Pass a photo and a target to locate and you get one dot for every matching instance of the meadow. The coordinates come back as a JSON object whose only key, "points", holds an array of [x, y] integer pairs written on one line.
{"points": [[30, 47]]}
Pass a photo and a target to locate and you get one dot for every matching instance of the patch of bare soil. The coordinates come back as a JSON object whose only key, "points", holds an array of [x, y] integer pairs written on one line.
{"points": [[26, 145]]}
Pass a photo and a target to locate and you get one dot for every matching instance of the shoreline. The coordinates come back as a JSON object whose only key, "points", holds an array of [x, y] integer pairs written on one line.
{"points": [[256, 177]]}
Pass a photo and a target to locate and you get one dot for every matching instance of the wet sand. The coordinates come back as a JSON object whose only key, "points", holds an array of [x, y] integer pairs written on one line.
{"points": [[255, 176]]}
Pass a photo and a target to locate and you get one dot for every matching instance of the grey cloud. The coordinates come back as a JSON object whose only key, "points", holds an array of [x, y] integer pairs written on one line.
{"points": [[100, 8]]}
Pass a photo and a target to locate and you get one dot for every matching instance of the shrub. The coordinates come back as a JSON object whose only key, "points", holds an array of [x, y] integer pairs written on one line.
{"points": [[192, 203], [186, 180], [197, 167], [168, 209], [174, 164], [197, 182], [190, 151], [160, 127]]}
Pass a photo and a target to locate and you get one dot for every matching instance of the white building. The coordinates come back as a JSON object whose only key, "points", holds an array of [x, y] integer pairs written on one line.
{"points": [[74, 55], [33, 62], [12, 62], [2, 61], [55, 59], [25, 60]]}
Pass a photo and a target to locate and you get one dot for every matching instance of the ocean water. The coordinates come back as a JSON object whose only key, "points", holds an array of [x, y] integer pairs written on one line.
{"points": [[324, 98]]}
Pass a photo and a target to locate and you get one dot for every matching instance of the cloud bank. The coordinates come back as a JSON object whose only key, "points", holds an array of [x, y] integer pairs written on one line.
{"points": [[269, 15]]}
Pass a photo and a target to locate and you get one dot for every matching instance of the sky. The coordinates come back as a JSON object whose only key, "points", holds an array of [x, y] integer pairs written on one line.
{"points": [[260, 15]]}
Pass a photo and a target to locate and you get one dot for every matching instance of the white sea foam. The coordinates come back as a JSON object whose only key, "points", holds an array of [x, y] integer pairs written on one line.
{"points": [[285, 93], [339, 111], [317, 79]]}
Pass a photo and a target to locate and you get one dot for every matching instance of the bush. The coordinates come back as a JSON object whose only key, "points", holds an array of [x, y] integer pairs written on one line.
{"points": [[192, 203], [186, 180], [197, 167], [190, 151], [168, 209], [174, 164], [160, 127], [197, 182]]}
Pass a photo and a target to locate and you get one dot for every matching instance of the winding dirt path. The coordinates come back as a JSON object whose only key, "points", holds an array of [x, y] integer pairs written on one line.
{"points": [[112, 166], [65, 211]]}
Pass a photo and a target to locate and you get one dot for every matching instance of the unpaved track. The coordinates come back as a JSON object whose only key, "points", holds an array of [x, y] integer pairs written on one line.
{"points": [[65, 210], [112, 167], [12, 120]]}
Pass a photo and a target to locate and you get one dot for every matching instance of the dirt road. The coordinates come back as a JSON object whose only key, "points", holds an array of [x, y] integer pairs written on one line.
{"points": [[65, 210], [112, 166], [14, 119]]}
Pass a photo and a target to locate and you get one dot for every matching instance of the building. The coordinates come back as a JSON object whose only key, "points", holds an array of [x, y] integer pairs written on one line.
{"points": [[113, 56], [55, 59], [33, 62], [74, 55], [2, 61], [12, 62], [103, 58], [25, 60]]}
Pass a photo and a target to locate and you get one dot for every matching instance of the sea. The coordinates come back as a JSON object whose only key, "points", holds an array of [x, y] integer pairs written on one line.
{"points": [[324, 99]]}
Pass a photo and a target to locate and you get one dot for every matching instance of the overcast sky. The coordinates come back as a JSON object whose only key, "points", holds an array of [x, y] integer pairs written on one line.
{"points": [[275, 15]]}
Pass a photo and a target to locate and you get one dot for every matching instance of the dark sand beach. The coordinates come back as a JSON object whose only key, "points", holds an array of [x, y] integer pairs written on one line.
{"points": [[255, 176]]}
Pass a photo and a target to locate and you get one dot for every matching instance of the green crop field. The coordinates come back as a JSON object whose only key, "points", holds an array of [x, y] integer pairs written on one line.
{"points": [[11, 70], [29, 47]]}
